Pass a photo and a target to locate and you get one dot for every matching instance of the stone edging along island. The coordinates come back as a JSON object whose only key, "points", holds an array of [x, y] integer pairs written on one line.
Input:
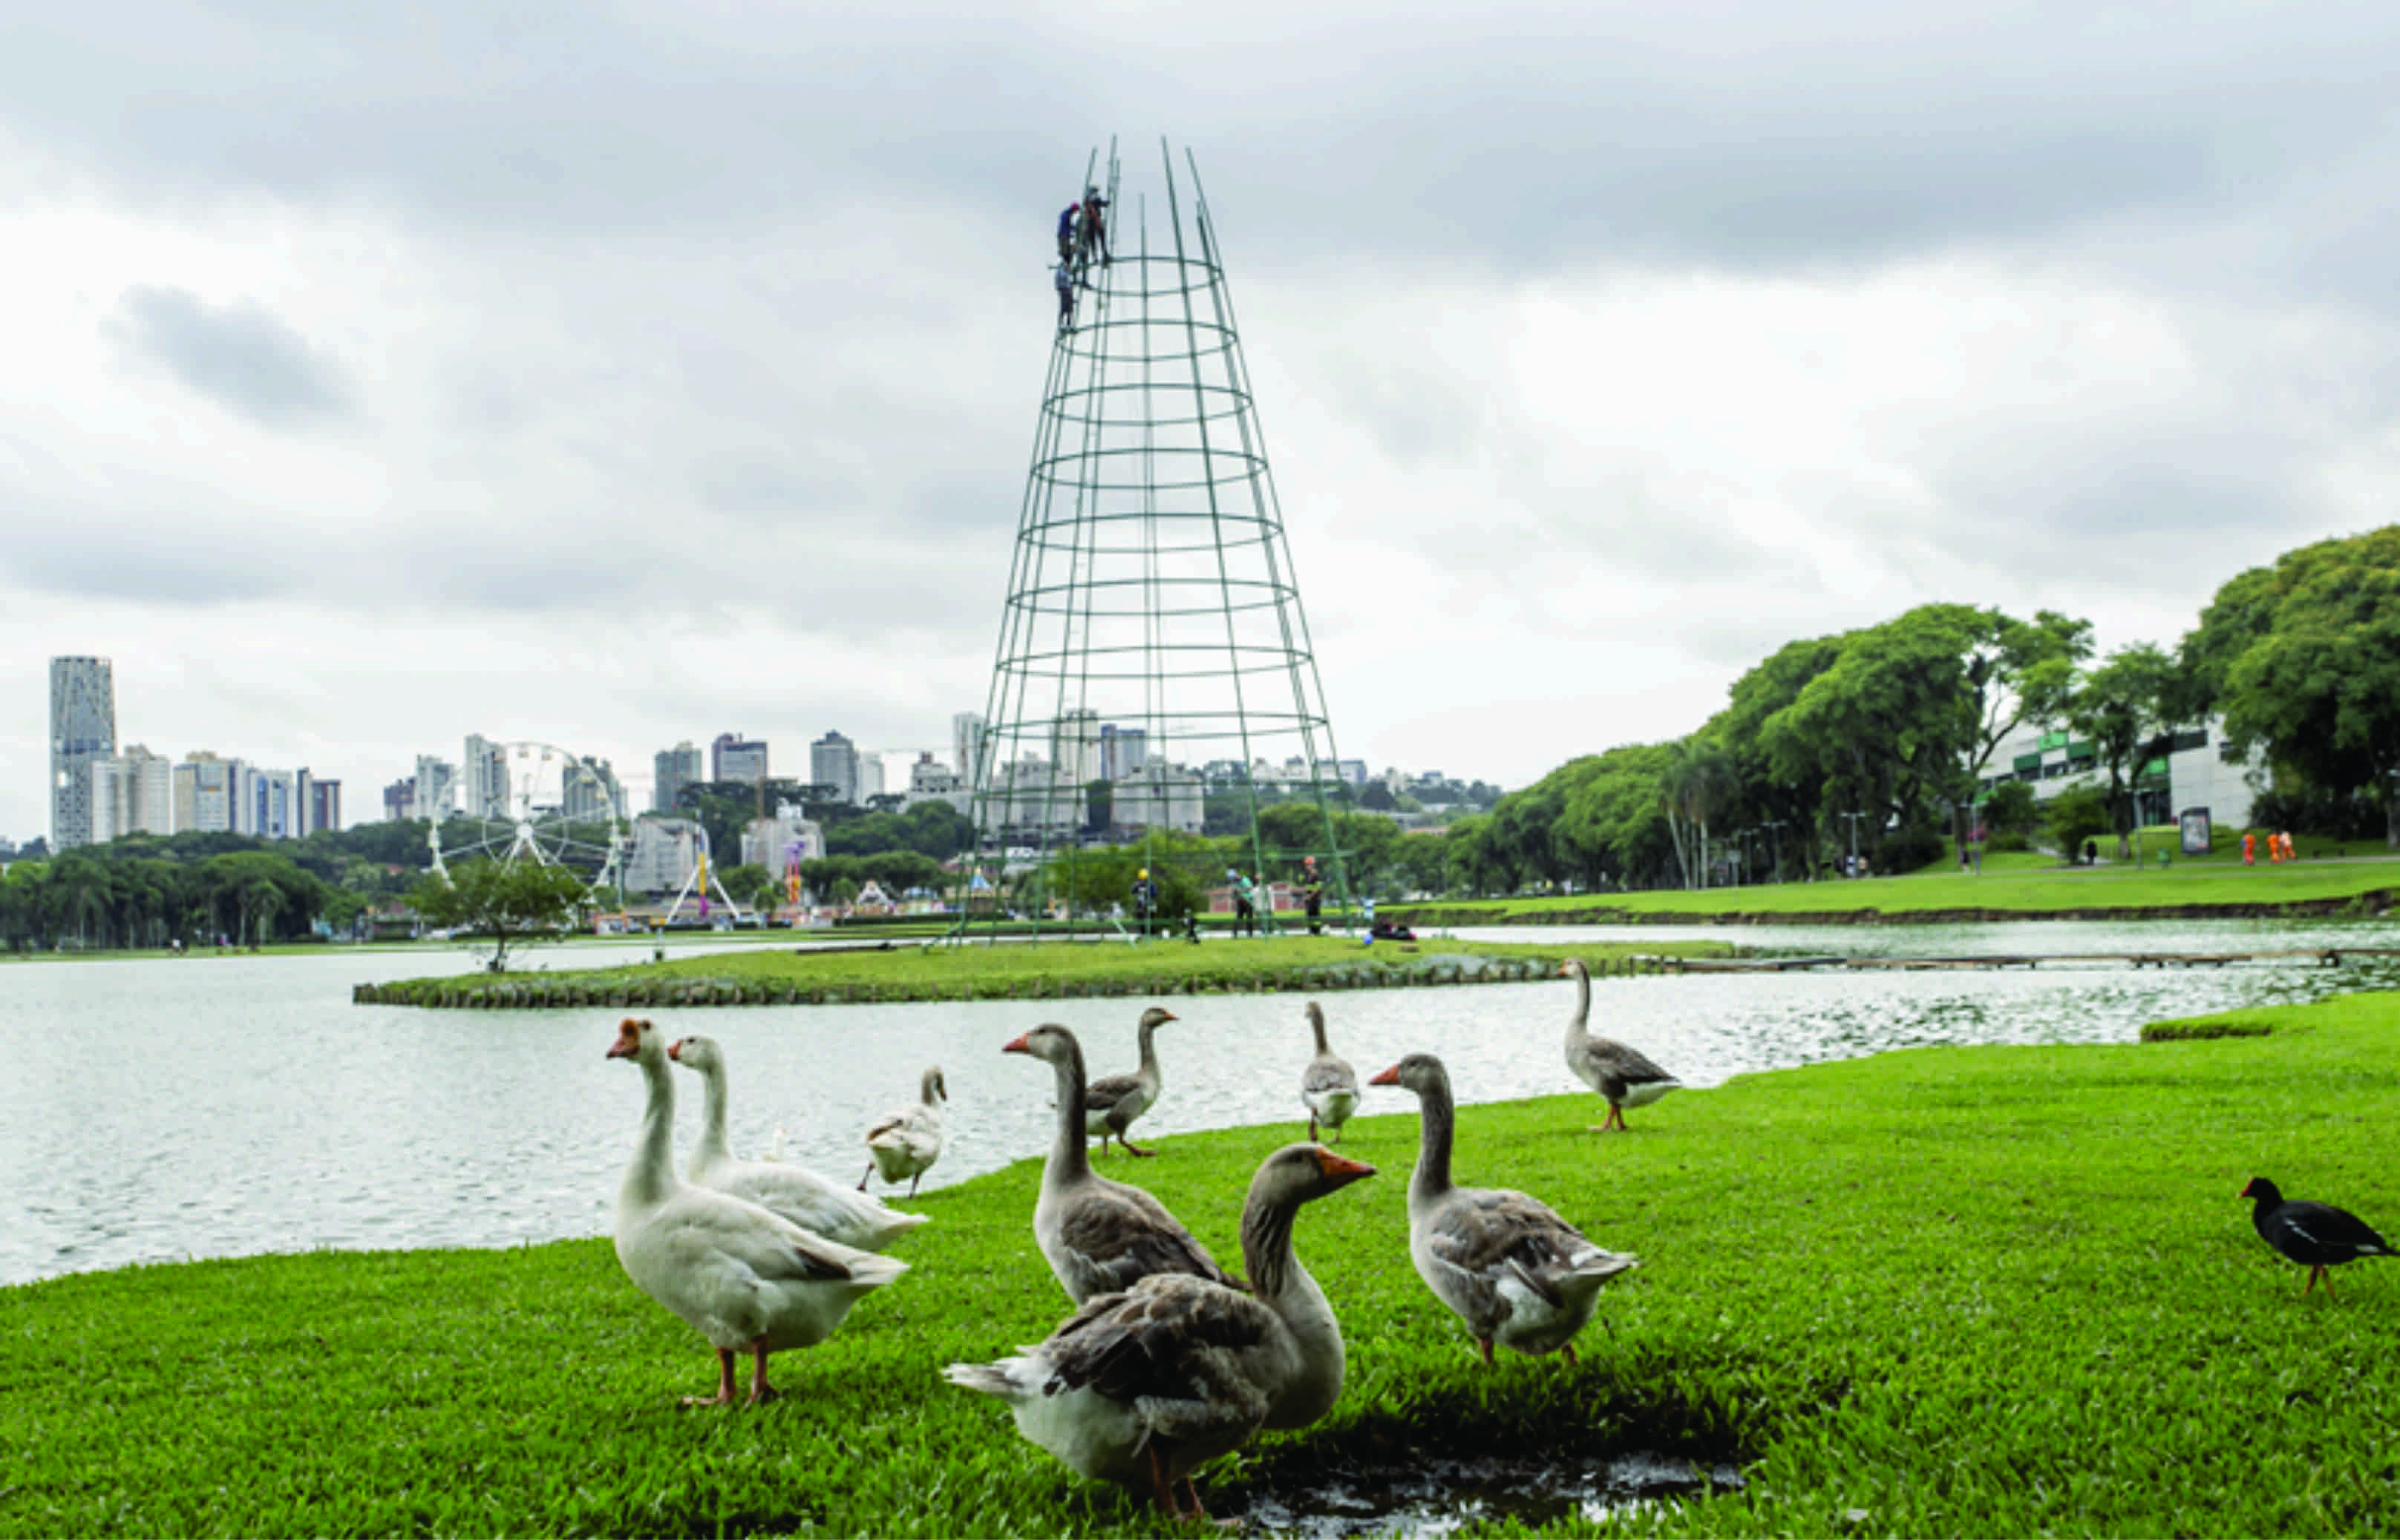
{"points": [[629, 988]]}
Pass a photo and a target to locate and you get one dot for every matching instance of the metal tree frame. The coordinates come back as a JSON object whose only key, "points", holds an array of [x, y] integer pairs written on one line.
{"points": [[1152, 588]]}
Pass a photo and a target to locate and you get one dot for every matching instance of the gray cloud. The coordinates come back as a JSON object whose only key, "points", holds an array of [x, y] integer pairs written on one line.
{"points": [[241, 355]]}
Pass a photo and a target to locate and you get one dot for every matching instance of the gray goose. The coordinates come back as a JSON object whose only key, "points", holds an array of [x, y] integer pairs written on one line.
{"points": [[1329, 1085], [907, 1142], [1111, 1104], [1142, 1387], [1623, 1077], [1515, 1273], [1100, 1236]]}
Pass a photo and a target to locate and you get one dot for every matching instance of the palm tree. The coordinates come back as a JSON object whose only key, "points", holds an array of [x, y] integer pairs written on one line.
{"points": [[1698, 780]]}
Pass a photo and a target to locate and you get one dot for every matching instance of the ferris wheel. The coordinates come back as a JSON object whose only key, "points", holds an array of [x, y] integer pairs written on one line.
{"points": [[537, 802]]}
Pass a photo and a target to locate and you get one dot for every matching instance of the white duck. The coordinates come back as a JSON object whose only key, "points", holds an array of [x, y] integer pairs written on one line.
{"points": [[1623, 1077], [1329, 1085], [814, 1203], [1516, 1273], [1110, 1104], [1100, 1236], [1144, 1386], [741, 1276], [908, 1142]]}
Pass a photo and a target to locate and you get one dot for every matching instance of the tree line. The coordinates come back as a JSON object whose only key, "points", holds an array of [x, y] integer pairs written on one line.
{"points": [[1886, 735]]}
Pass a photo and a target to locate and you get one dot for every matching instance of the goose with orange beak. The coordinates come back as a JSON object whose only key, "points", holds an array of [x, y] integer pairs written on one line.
{"points": [[1142, 1387]]}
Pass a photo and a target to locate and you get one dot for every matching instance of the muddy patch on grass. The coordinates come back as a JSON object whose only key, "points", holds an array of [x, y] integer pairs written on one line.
{"points": [[1436, 1495]]}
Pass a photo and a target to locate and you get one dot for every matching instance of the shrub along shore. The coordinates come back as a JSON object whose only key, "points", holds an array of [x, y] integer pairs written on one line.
{"points": [[1988, 1290], [810, 976]]}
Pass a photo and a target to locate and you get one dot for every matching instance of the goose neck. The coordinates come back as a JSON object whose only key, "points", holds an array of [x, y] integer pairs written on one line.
{"points": [[712, 1146], [1150, 1049], [650, 1179], [1069, 1157], [1431, 1178], [1579, 1027], [1286, 1288], [1316, 1023]]}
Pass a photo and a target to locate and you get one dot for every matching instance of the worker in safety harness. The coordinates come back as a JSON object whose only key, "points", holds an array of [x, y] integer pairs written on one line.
{"points": [[1095, 224], [1067, 217]]}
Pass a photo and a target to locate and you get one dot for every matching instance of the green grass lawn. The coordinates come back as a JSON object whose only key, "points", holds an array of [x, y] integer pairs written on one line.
{"points": [[2020, 884], [1949, 1291], [1019, 972]]}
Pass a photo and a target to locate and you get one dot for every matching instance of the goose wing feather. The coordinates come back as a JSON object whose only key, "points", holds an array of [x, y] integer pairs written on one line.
{"points": [[1122, 1235], [1328, 1074]]}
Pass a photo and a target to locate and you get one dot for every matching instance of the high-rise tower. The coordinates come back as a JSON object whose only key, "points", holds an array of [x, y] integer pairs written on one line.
{"points": [[83, 728], [1152, 599]]}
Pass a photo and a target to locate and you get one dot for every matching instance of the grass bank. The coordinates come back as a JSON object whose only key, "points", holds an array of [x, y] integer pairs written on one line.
{"points": [[1055, 970], [2001, 1290], [2033, 889]]}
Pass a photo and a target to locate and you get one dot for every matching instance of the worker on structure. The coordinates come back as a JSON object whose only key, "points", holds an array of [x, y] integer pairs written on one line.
{"points": [[1067, 217], [1094, 225], [1065, 282], [2250, 847]]}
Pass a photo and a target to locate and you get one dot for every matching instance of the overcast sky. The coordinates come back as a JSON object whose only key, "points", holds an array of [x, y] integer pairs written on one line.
{"points": [[611, 375]]}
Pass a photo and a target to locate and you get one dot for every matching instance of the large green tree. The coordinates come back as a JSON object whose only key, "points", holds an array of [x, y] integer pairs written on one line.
{"points": [[2303, 660], [2125, 709]]}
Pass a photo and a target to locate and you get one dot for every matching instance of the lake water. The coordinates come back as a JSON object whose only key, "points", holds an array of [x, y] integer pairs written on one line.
{"points": [[205, 1106]]}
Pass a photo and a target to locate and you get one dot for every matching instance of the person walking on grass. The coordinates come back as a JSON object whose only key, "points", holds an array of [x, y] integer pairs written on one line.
{"points": [[2250, 848]]}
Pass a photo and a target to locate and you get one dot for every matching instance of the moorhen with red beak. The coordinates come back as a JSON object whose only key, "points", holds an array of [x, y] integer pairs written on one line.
{"points": [[2317, 1235]]}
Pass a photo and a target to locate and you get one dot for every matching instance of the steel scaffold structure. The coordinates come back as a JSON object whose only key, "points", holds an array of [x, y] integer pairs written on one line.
{"points": [[1153, 643]]}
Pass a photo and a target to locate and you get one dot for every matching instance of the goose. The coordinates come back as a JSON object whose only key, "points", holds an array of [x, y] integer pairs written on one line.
{"points": [[1110, 1105], [1144, 1386], [909, 1141], [1516, 1273], [2317, 1235], [814, 1203], [1623, 1077], [1100, 1236], [1329, 1085], [742, 1277]]}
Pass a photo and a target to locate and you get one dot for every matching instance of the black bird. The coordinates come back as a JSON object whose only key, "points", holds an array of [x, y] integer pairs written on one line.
{"points": [[2317, 1235]]}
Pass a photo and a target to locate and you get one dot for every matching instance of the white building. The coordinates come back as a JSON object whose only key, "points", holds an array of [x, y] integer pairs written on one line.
{"points": [[483, 779], [665, 856], [967, 737], [2198, 771], [1160, 795], [131, 793], [436, 785], [776, 843]]}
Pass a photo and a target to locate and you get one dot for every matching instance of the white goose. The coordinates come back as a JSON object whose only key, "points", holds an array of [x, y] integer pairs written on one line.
{"points": [[742, 1277], [1329, 1085], [1144, 1386], [814, 1203], [1111, 1103], [1098, 1236], [1516, 1273], [908, 1142], [1623, 1077]]}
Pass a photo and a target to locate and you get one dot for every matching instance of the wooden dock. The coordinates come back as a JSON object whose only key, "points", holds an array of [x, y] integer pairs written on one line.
{"points": [[2322, 957]]}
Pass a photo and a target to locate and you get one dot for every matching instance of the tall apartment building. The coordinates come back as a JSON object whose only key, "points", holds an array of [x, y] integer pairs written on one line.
{"points": [[733, 757], [131, 793], [591, 792], [1075, 746], [324, 805], [83, 728], [208, 793], [968, 731], [436, 781], [871, 782], [833, 761], [483, 779], [671, 770], [1122, 750], [399, 798]]}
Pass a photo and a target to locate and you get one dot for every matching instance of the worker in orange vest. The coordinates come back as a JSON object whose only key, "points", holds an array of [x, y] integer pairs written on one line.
{"points": [[2289, 853], [2250, 848]]}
